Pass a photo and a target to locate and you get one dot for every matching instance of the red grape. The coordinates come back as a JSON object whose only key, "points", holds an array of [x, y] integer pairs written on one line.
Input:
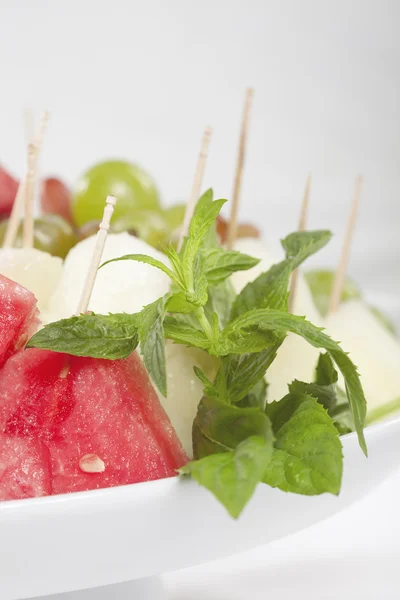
{"points": [[8, 191], [55, 198]]}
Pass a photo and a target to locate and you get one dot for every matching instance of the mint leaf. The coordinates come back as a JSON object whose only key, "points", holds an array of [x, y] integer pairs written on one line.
{"points": [[177, 303], [182, 331], [198, 295], [341, 414], [325, 388], [325, 372], [205, 213], [300, 245], [208, 385], [149, 260], [307, 458], [232, 476], [257, 396], [270, 289], [175, 261], [219, 264], [220, 300], [250, 327], [152, 343], [320, 282], [219, 427], [325, 394], [243, 371], [97, 336]]}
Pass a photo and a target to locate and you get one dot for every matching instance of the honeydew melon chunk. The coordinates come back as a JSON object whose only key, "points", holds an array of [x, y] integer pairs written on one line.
{"points": [[37, 271], [185, 390], [124, 286], [374, 350]]}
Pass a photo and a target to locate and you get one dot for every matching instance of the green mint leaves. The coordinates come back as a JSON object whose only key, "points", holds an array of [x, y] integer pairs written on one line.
{"points": [[98, 336], [232, 476], [270, 289], [152, 343], [307, 457], [238, 439]]}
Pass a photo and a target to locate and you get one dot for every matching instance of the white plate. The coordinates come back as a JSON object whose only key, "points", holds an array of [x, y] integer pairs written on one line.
{"points": [[89, 539]]}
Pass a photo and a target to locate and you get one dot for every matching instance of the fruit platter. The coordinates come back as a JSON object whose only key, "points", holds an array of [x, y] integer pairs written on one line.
{"points": [[170, 391]]}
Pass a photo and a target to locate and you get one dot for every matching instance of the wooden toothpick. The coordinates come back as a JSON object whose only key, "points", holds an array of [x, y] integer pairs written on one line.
{"points": [[239, 168], [197, 182], [29, 196], [97, 254], [23, 188], [15, 216], [301, 227], [340, 274]]}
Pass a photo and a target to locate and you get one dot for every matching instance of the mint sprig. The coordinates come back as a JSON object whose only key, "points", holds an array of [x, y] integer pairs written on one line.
{"points": [[238, 439]]}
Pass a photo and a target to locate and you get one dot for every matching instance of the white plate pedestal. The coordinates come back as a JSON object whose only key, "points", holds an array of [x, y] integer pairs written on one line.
{"points": [[74, 541], [150, 588]]}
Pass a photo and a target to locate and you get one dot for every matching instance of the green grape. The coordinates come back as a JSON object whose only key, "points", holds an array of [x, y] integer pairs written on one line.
{"points": [[132, 187], [148, 225], [321, 282], [52, 234], [174, 215]]}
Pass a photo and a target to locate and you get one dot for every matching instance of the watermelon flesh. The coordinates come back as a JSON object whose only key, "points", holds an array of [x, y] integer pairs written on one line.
{"points": [[24, 468], [61, 408], [19, 317]]}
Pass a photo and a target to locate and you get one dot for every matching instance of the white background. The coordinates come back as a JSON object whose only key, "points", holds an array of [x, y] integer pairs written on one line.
{"points": [[140, 80]]}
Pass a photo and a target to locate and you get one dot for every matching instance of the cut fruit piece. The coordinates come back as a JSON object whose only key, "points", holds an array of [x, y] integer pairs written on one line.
{"points": [[19, 317], [58, 409], [52, 234], [56, 198], [148, 225], [321, 282], [35, 394], [24, 468], [124, 286], [185, 389], [37, 271], [133, 187], [117, 417], [8, 191], [374, 350]]}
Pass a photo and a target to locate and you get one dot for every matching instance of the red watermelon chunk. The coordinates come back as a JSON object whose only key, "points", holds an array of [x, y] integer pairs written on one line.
{"points": [[117, 417], [8, 191], [24, 468], [58, 409], [19, 317], [35, 394]]}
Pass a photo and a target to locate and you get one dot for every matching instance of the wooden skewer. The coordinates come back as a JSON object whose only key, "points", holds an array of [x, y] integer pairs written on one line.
{"points": [[301, 227], [196, 187], [340, 274], [239, 169], [15, 216], [33, 163], [97, 254], [29, 196], [20, 199]]}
